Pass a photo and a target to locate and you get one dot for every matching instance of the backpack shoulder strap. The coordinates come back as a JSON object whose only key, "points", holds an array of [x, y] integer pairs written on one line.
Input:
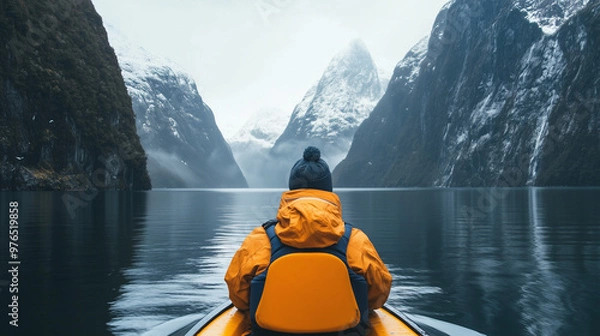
{"points": [[269, 227], [339, 249], [277, 247], [343, 242], [269, 223]]}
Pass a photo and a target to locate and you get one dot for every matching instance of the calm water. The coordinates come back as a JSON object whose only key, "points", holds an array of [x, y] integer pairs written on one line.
{"points": [[503, 262]]}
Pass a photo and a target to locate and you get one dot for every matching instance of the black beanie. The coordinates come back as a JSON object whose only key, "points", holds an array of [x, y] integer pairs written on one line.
{"points": [[311, 172]]}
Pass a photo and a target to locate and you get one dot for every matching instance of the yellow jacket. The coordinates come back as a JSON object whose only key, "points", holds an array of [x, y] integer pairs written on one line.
{"points": [[307, 218]]}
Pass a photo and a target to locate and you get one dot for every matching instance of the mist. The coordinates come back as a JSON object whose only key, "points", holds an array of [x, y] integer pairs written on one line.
{"points": [[269, 168]]}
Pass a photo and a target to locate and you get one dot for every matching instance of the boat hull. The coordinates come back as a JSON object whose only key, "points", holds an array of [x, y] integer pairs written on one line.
{"points": [[226, 320]]}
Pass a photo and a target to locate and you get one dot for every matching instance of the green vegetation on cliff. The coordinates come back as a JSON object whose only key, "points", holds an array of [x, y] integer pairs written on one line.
{"points": [[66, 121]]}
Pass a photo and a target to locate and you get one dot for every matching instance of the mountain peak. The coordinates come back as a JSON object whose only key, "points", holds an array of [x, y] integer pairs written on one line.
{"points": [[352, 70], [354, 57], [355, 46], [331, 111]]}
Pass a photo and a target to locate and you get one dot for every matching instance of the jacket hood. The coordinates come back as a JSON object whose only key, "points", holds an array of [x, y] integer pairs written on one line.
{"points": [[309, 218]]}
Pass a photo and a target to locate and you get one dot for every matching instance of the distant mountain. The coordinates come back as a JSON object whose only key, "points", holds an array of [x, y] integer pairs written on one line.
{"points": [[260, 130], [252, 143], [332, 110], [66, 121], [177, 129], [505, 94]]}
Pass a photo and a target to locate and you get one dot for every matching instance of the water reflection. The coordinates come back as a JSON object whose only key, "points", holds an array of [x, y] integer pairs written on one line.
{"points": [[552, 296], [71, 262], [541, 294], [528, 266], [165, 278], [187, 244], [405, 227], [520, 268]]}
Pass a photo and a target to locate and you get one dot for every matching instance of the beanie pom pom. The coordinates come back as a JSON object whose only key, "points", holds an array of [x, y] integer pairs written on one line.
{"points": [[312, 153]]}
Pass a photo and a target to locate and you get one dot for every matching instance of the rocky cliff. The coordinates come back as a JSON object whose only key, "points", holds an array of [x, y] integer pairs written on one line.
{"points": [[66, 121], [505, 94]]}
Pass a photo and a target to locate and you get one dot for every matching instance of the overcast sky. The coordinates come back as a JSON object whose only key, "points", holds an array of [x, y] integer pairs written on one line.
{"points": [[246, 55]]}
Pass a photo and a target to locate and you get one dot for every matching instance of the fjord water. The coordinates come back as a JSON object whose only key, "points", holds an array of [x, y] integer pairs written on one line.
{"points": [[499, 261]]}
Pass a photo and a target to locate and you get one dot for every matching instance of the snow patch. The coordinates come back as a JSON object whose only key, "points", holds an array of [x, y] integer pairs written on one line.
{"points": [[411, 62], [550, 17]]}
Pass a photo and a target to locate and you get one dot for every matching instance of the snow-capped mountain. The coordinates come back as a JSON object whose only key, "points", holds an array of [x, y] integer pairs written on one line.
{"points": [[332, 110], [261, 130], [496, 99], [252, 143], [177, 129]]}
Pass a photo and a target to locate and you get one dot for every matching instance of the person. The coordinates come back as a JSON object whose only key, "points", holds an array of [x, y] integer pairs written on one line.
{"points": [[309, 218]]}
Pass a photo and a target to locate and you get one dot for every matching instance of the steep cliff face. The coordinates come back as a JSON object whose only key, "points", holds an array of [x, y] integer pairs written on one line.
{"points": [[498, 99], [177, 129], [66, 121], [569, 153]]}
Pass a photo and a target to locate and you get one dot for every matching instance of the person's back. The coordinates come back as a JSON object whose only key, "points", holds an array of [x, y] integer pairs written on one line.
{"points": [[309, 228]]}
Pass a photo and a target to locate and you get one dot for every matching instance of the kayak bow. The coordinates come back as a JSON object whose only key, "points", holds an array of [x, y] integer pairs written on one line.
{"points": [[226, 320]]}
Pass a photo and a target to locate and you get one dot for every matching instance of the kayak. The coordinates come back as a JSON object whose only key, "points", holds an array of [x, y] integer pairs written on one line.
{"points": [[226, 320]]}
